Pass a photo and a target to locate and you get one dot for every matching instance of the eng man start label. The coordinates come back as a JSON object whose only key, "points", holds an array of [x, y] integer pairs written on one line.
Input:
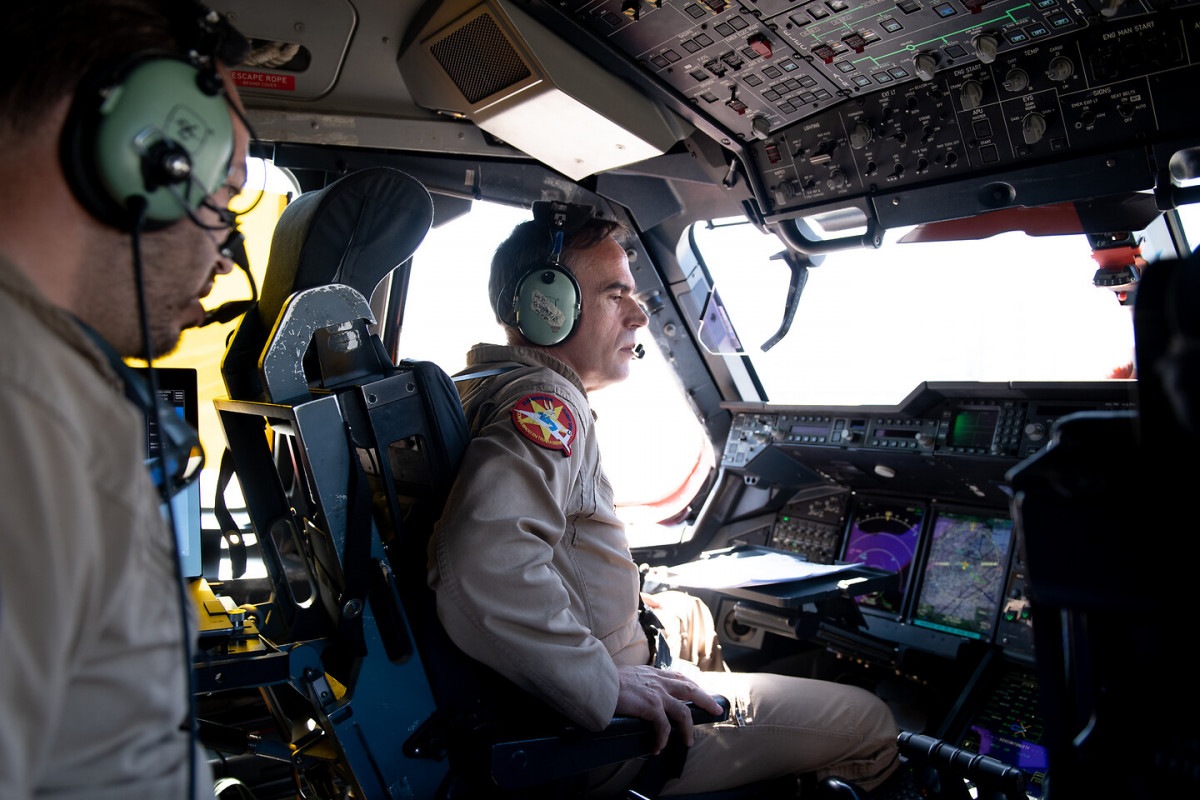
{"points": [[546, 421]]}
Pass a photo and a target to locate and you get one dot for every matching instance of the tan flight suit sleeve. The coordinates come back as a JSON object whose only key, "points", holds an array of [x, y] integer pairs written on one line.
{"points": [[498, 559]]}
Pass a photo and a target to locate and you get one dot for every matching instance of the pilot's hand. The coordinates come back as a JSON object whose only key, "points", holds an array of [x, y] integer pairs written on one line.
{"points": [[659, 696]]}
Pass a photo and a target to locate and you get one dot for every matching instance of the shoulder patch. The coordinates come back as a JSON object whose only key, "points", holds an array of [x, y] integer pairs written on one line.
{"points": [[546, 421]]}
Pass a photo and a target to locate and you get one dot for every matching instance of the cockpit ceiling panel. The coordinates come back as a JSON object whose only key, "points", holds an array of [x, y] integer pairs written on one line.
{"points": [[837, 101], [758, 67]]}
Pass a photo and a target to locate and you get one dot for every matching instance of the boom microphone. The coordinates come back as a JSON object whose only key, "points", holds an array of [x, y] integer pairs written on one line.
{"points": [[234, 248], [226, 312], [639, 351]]}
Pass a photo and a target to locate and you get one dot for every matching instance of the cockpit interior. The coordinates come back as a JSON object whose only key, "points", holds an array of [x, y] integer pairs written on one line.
{"points": [[853, 225]]}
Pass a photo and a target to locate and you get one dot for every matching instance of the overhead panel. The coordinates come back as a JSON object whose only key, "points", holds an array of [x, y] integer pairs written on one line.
{"points": [[1106, 88], [839, 100], [757, 67]]}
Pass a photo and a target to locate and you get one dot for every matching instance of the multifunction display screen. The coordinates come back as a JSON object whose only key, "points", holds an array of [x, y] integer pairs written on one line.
{"points": [[964, 574]]}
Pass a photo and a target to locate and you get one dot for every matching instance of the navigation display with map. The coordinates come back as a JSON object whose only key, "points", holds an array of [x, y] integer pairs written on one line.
{"points": [[1009, 727], [885, 535], [964, 574]]}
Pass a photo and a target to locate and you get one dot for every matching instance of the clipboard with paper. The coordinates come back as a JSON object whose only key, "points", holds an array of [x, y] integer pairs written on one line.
{"points": [[773, 577]]}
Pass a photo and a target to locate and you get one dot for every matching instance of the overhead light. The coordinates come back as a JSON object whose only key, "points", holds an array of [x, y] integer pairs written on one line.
{"points": [[495, 65]]}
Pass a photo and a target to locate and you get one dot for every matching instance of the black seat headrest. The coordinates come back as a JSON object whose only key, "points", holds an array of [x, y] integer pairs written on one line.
{"points": [[354, 231], [1167, 341]]}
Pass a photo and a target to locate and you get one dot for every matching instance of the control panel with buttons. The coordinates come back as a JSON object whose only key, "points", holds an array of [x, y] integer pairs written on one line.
{"points": [[1006, 421]]}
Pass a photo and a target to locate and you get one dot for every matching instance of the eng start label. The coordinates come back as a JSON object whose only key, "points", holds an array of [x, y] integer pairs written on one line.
{"points": [[263, 80]]}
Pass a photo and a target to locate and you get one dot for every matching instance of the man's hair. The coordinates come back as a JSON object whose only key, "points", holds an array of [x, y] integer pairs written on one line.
{"points": [[529, 245], [52, 45]]}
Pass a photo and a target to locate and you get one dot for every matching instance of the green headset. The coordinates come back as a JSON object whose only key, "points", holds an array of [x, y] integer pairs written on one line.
{"points": [[546, 299], [157, 127]]}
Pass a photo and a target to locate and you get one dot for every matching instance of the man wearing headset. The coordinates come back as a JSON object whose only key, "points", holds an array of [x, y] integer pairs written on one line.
{"points": [[93, 673], [531, 565]]}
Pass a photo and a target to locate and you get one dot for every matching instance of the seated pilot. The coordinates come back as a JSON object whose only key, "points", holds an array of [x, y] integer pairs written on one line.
{"points": [[532, 567]]}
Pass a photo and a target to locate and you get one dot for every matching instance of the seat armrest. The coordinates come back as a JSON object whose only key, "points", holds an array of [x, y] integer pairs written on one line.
{"points": [[572, 750], [702, 717], [622, 726]]}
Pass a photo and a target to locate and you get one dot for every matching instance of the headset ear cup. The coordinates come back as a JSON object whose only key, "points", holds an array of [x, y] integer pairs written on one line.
{"points": [[547, 304], [127, 128]]}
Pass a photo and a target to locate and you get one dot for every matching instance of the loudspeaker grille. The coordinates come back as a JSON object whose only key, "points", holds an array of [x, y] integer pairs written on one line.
{"points": [[479, 59]]}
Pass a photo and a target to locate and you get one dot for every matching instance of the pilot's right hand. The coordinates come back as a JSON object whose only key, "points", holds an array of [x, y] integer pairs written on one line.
{"points": [[659, 696]]}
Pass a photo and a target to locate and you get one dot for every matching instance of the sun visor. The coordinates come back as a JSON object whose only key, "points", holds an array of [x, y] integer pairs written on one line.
{"points": [[496, 66]]}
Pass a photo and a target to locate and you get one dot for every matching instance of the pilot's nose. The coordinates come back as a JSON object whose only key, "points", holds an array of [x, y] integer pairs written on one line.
{"points": [[637, 317]]}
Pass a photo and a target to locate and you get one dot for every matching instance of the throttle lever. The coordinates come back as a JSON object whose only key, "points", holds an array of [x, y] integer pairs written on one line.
{"points": [[983, 771]]}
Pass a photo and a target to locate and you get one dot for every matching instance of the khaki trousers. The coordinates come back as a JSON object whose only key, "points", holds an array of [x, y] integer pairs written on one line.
{"points": [[779, 725]]}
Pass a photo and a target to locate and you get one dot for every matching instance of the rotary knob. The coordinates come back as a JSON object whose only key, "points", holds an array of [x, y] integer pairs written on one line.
{"points": [[986, 46], [971, 95], [1033, 128], [784, 192], [924, 64], [1060, 68], [861, 136], [761, 127], [1016, 81]]}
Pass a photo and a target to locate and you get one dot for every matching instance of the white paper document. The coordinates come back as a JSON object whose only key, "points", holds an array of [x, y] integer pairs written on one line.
{"points": [[731, 570]]}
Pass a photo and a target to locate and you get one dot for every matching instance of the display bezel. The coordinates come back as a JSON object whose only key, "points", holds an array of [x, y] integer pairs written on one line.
{"points": [[985, 630], [867, 606]]}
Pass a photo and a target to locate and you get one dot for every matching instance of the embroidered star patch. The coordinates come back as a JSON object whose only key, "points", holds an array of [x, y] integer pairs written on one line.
{"points": [[546, 421]]}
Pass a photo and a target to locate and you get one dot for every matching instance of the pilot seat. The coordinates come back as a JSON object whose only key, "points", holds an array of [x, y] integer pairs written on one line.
{"points": [[345, 460]]}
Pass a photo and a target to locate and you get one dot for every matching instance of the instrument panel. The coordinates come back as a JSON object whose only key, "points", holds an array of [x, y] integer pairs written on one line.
{"points": [[960, 601], [760, 66], [951, 441], [918, 489]]}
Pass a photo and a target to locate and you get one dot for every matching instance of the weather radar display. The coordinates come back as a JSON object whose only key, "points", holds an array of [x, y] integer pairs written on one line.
{"points": [[884, 536]]}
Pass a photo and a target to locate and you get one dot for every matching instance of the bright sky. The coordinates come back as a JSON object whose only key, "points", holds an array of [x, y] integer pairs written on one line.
{"points": [[872, 324]]}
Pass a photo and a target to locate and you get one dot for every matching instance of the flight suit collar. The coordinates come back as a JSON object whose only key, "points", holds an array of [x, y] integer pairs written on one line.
{"points": [[482, 354]]}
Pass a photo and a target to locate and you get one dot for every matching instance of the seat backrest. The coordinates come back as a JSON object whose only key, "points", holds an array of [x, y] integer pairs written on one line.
{"points": [[306, 363], [351, 233], [1101, 517]]}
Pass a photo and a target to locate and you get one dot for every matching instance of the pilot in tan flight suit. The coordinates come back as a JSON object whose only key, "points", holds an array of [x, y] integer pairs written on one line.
{"points": [[531, 564]]}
